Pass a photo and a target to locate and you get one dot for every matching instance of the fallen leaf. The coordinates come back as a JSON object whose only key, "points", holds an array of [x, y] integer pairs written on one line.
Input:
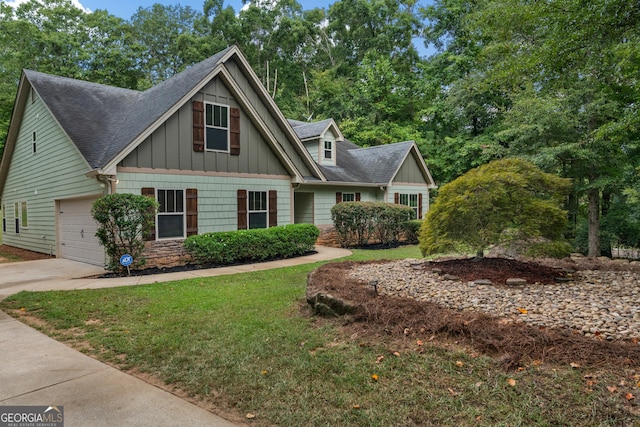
{"points": [[537, 362], [406, 331], [374, 377], [419, 342], [452, 392], [511, 382], [250, 416], [356, 406], [521, 368], [264, 372], [575, 365], [396, 354], [379, 359], [629, 396], [523, 310], [479, 384], [612, 388], [459, 363]]}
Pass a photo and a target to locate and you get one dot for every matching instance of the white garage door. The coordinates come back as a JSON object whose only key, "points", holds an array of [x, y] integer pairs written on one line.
{"points": [[78, 239]]}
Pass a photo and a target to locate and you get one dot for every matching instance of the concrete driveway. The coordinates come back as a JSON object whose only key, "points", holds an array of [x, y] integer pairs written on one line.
{"points": [[37, 370]]}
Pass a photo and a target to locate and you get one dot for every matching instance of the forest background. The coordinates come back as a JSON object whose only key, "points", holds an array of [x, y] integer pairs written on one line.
{"points": [[556, 82]]}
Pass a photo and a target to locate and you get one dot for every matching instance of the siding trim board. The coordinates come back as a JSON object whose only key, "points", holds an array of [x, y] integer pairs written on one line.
{"points": [[125, 169]]}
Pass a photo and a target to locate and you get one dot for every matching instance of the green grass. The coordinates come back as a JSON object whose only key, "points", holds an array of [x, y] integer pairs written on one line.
{"points": [[244, 340]]}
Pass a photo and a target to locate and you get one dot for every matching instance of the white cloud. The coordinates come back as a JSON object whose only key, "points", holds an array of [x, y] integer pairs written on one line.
{"points": [[76, 3]]}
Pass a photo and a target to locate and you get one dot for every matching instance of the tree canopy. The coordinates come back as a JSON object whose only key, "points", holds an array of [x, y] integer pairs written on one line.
{"points": [[508, 199]]}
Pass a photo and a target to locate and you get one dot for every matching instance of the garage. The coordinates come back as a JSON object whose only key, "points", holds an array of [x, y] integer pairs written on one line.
{"points": [[78, 239]]}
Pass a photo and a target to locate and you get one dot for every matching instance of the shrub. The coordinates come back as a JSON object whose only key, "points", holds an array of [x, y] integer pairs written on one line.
{"points": [[476, 208], [228, 247], [356, 223], [412, 230], [125, 220]]}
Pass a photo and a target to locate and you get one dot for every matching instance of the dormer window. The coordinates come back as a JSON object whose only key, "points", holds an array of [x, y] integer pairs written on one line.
{"points": [[328, 150]]}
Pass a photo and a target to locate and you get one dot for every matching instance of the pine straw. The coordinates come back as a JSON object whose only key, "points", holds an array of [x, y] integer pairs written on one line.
{"points": [[512, 343]]}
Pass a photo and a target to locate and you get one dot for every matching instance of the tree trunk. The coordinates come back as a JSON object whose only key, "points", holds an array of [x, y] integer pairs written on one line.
{"points": [[594, 223]]}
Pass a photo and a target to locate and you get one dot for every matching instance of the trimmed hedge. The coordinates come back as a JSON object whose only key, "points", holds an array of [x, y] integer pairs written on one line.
{"points": [[357, 223], [260, 244]]}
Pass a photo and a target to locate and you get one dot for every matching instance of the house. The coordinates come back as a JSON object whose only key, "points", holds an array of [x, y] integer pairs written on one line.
{"points": [[209, 144]]}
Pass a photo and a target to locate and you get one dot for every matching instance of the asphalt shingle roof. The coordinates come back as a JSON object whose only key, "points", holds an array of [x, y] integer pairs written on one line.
{"points": [[102, 120], [376, 165], [306, 130]]}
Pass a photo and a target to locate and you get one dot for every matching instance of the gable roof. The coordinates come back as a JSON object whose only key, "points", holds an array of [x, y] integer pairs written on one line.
{"points": [[313, 130], [105, 123], [112, 117], [375, 165]]}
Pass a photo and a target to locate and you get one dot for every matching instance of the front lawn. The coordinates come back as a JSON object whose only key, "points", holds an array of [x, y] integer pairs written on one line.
{"points": [[247, 344]]}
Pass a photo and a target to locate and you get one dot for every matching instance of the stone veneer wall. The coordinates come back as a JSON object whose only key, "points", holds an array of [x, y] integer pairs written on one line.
{"points": [[165, 253]]}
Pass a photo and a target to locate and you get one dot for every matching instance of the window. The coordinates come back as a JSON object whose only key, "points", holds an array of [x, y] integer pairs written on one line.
{"points": [[410, 200], [328, 150], [16, 216], [25, 216], [4, 218], [258, 209], [33, 144], [216, 127], [348, 197], [170, 214]]}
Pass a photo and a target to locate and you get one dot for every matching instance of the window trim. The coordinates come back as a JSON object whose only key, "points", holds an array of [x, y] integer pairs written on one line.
{"points": [[350, 195], [183, 213], [408, 196], [227, 128], [328, 150], [24, 214], [264, 211]]}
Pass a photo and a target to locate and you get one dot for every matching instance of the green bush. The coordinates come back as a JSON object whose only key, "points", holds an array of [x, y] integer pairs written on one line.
{"points": [[228, 247], [125, 220], [412, 231], [357, 223]]}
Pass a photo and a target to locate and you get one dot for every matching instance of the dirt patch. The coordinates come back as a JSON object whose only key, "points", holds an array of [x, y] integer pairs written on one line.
{"points": [[13, 254], [497, 270], [511, 343]]}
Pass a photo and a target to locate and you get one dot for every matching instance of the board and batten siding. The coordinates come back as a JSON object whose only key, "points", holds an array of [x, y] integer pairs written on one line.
{"points": [[410, 172], [268, 116], [171, 145], [217, 195], [56, 171]]}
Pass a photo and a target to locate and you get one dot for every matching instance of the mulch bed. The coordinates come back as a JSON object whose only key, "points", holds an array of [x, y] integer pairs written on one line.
{"points": [[511, 343], [497, 270]]}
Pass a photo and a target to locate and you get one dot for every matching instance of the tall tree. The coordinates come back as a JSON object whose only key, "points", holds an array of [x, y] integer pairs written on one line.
{"points": [[564, 79]]}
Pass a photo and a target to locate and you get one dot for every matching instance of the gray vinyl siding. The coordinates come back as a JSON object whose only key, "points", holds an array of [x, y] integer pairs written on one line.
{"points": [[325, 199], [217, 196], [267, 116], [328, 136], [410, 171], [171, 145], [410, 189], [304, 207], [55, 171], [313, 149]]}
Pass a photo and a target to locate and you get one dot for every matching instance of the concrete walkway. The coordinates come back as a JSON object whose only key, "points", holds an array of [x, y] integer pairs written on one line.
{"points": [[37, 370]]}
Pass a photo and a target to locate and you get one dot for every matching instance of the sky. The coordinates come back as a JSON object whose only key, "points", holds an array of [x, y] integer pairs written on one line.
{"points": [[126, 8]]}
